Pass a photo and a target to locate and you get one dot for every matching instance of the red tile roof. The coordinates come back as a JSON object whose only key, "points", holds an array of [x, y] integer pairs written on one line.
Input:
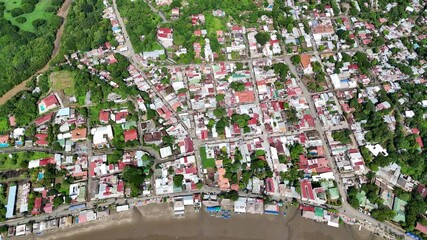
{"points": [[4, 138], [305, 60], [131, 135], [421, 228], [41, 139], [44, 119], [307, 190], [121, 116], [422, 190], [245, 96], [50, 100]]}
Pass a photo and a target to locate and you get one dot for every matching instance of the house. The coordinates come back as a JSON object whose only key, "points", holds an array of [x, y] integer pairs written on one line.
{"points": [[153, 138], [11, 198], [131, 135], [78, 134], [421, 228], [218, 13], [163, 2], [48, 103], [165, 152], [307, 190], [12, 121], [4, 140], [306, 64], [120, 117], [165, 37], [101, 135], [41, 139], [175, 12], [324, 30], [422, 190], [104, 116], [44, 119]]}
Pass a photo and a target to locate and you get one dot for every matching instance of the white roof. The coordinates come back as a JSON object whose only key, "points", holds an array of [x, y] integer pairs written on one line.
{"points": [[122, 208], [33, 164], [376, 149], [99, 134], [165, 152]]}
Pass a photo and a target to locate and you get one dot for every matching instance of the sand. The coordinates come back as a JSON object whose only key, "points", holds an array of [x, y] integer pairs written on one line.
{"points": [[155, 222]]}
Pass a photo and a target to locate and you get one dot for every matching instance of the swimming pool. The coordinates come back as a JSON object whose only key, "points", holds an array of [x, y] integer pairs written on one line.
{"points": [[42, 108], [4, 145], [40, 176]]}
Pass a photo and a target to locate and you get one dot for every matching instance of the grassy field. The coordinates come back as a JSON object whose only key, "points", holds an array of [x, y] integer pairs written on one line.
{"points": [[62, 80], [6, 163], [213, 24], [3, 124], [40, 12], [206, 162]]}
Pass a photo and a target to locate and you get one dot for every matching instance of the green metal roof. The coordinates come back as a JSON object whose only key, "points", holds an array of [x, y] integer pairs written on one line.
{"points": [[318, 212], [333, 192]]}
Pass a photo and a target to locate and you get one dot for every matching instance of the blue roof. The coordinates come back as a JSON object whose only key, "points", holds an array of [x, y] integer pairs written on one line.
{"points": [[63, 112], [11, 198]]}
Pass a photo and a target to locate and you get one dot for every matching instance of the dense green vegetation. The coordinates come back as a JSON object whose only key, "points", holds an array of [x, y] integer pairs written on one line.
{"points": [[140, 21], [23, 13], [134, 178], [22, 52], [85, 28], [401, 146], [342, 136]]}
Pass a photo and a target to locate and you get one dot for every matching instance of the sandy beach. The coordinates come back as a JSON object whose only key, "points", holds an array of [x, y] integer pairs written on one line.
{"points": [[156, 222]]}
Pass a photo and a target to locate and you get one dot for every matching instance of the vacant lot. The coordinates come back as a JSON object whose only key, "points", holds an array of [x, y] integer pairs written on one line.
{"points": [[42, 11], [3, 124], [62, 80], [206, 162], [7, 163]]}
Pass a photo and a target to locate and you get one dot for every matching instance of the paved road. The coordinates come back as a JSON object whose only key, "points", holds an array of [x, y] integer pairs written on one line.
{"points": [[160, 13], [346, 209]]}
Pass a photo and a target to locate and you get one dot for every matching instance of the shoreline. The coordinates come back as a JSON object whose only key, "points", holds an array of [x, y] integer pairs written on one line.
{"points": [[156, 222]]}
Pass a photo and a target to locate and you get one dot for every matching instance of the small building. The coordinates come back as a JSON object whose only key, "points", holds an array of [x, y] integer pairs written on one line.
{"points": [[178, 208], [11, 198], [122, 208], [101, 135], [48, 103], [240, 205], [165, 152], [131, 135], [78, 134]]}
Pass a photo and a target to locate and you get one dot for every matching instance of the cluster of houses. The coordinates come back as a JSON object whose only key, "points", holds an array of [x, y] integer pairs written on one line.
{"points": [[109, 13]]}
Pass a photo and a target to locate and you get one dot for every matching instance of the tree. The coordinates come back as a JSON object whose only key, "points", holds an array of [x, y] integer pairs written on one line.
{"points": [[219, 112], [383, 213], [115, 157], [295, 151], [177, 180], [57, 201], [342, 136], [168, 140], [262, 38], [38, 23], [219, 97], [232, 195], [237, 86], [296, 59], [134, 177]]}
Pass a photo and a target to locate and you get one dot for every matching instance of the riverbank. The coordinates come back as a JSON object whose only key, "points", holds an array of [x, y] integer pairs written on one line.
{"points": [[62, 12], [156, 222]]}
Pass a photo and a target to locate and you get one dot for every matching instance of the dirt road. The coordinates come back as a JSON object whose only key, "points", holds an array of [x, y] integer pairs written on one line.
{"points": [[62, 12]]}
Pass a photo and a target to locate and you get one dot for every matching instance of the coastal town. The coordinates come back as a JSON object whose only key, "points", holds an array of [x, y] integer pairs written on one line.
{"points": [[314, 105]]}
